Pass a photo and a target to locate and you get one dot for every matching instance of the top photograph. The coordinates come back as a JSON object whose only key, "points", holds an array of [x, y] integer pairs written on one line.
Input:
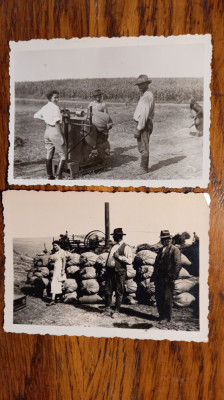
{"points": [[129, 111]]}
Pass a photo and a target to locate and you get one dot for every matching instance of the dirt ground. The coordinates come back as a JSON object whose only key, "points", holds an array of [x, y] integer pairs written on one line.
{"points": [[137, 316], [174, 152]]}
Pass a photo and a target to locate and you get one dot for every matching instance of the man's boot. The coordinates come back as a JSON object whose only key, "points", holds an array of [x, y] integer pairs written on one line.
{"points": [[144, 164], [49, 169], [60, 169], [107, 312]]}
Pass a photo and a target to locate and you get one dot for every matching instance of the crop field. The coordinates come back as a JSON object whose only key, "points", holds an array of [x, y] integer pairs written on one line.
{"points": [[174, 152], [175, 90]]}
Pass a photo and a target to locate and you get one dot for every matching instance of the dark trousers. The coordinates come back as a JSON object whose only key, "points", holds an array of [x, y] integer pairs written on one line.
{"points": [[164, 298], [115, 281]]}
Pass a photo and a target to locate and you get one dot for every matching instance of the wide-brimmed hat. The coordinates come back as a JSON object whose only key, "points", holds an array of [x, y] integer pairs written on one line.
{"points": [[165, 235], [118, 231], [97, 92], [143, 79]]}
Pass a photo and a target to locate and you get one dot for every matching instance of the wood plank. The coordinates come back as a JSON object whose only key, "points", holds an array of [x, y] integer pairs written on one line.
{"points": [[34, 367]]}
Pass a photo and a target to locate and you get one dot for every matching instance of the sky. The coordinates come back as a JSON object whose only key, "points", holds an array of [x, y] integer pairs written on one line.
{"points": [[142, 216], [107, 58]]}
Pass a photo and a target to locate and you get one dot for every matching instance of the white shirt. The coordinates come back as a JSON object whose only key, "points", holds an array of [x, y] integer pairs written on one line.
{"points": [[50, 113], [144, 109], [127, 257]]}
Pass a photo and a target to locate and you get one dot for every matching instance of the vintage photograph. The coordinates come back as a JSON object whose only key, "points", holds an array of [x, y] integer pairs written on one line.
{"points": [[83, 264], [121, 111]]}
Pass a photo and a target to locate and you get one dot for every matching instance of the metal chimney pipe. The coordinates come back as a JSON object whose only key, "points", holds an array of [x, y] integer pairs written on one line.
{"points": [[107, 224]]}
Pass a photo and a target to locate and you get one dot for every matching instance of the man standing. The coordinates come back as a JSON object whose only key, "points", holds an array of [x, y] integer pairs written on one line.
{"points": [[119, 256], [143, 115], [166, 271]]}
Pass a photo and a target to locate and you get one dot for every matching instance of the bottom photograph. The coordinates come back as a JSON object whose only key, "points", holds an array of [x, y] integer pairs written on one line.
{"points": [[130, 265]]}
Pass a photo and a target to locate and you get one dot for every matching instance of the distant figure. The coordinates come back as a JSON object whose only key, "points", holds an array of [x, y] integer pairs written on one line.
{"points": [[53, 137], [197, 114], [98, 104], [120, 256], [166, 270], [143, 115], [59, 258]]}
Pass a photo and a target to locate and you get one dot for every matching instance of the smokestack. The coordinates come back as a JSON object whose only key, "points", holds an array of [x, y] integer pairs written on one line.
{"points": [[107, 225]]}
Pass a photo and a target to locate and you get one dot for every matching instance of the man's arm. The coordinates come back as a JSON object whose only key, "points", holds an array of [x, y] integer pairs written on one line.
{"points": [[176, 256], [127, 257]]}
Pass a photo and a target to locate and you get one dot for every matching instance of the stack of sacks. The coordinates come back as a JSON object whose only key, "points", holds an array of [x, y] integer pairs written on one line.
{"points": [[186, 292], [89, 287], [70, 285], [143, 262], [39, 275], [130, 286]]}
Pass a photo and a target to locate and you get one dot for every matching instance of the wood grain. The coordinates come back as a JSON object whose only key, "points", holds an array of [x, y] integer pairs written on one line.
{"points": [[34, 367]]}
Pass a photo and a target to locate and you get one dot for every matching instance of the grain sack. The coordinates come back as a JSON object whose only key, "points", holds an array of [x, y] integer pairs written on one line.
{"points": [[88, 259], [72, 271], [130, 300], [130, 286], [184, 261], [70, 298], [131, 273], [145, 257], [101, 260], [89, 286], [183, 285], [100, 120], [145, 272], [92, 299], [72, 258], [88, 273], [147, 287], [41, 283], [183, 273], [70, 285], [32, 279], [38, 274], [44, 271], [43, 259], [30, 274], [183, 300]]}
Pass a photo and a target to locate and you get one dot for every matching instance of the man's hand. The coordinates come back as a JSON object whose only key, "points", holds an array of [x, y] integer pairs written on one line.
{"points": [[137, 134], [117, 256]]}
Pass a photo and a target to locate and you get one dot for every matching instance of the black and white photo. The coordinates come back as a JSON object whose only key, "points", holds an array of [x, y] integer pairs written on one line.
{"points": [[107, 264], [110, 111]]}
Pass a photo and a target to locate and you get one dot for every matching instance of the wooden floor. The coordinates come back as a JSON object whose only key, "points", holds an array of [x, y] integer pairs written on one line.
{"points": [[47, 367]]}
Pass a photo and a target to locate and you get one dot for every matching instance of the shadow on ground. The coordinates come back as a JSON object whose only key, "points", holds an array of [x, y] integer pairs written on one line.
{"points": [[118, 158], [165, 163]]}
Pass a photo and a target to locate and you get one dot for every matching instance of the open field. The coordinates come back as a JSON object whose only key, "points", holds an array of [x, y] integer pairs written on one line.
{"points": [[174, 153]]}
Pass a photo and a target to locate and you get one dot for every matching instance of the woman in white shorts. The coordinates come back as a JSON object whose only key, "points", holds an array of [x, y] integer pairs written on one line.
{"points": [[53, 137]]}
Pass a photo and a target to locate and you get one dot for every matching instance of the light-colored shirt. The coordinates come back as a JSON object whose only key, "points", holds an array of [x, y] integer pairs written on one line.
{"points": [[96, 106], [145, 109], [127, 257], [50, 113]]}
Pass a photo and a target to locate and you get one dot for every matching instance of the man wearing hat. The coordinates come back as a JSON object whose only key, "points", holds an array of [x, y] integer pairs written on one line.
{"points": [[143, 115], [97, 104], [166, 270], [119, 256]]}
